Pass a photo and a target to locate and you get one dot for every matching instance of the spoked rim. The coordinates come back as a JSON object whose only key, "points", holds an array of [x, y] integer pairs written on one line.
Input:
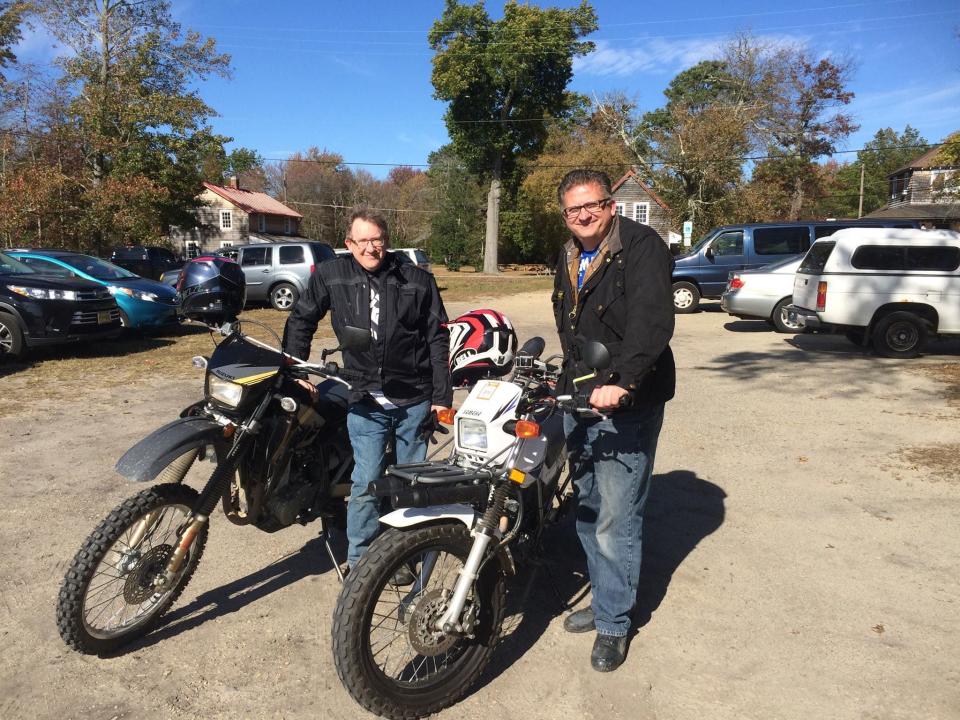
{"points": [[785, 320], [120, 594], [6, 339], [283, 297], [401, 641], [682, 298]]}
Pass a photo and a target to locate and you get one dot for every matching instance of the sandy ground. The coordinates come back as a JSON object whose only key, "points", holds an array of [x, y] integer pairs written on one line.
{"points": [[800, 558]]}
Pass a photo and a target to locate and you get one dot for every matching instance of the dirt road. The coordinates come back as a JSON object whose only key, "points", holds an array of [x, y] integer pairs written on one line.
{"points": [[800, 558]]}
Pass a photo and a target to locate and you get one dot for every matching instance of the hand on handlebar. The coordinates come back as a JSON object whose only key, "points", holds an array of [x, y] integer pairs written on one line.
{"points": [[310, 388], [609, 397]]}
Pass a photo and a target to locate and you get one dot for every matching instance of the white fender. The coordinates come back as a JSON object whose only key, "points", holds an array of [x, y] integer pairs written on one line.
{"points": [[408, 517]]}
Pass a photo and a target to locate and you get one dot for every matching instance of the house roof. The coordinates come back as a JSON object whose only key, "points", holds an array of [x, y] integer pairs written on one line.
{"points": [[631, 173], [918, 211], [252, 202], [924, 162]]}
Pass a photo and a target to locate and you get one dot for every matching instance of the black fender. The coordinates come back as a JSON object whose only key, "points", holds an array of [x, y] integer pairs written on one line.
{"points": [[147, 459]]}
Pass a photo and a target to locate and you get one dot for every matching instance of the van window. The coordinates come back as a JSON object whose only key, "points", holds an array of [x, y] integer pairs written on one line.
{"points": [[906, 257], [728, 243], [421, 257], [256, 256], [945, 259], [816, 259], [291, 254], [781, 240], [322, 252]]}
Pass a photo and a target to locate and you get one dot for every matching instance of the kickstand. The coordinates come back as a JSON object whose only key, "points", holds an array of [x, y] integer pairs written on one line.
{"points": [[325, 535]]}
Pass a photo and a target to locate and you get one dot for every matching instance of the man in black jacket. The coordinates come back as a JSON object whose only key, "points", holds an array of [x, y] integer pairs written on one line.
{"points": [[613, 286], [404, 372]]}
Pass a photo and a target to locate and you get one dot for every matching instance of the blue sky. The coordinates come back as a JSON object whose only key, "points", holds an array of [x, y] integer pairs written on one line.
{"points": [[355, 78]]}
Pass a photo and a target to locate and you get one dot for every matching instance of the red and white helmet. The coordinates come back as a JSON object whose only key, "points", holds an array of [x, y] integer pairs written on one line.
{"points": [[482, 343]]}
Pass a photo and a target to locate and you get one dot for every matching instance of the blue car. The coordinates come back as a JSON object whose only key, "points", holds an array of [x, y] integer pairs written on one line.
{"points": [[144, 304]]}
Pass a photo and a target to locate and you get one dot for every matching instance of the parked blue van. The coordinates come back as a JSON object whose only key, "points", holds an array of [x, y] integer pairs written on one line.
{"points": [[703, 271]]}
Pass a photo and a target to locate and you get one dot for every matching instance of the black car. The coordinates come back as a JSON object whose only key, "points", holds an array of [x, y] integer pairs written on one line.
{"points": [[148, 262], [39, 309]]}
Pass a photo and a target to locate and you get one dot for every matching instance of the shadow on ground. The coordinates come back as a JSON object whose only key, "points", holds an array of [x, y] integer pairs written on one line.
{"points": [[682, 510], [311, 559]]}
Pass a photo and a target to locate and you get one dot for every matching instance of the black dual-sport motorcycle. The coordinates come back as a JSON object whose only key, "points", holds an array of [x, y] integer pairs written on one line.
{"points": [[281, 458]]}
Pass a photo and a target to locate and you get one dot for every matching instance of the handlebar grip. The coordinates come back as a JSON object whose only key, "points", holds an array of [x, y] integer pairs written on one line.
{"points": [[626, 401], [334, 370]]}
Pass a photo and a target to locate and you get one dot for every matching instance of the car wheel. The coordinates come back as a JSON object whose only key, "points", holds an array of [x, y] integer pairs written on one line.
{"points": [[11, 339], [899, 335], [686, 297], [779, 318], [284, 296]]}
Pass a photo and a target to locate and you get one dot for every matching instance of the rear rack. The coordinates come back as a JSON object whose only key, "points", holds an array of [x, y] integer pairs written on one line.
{"points": [[430, 473]]}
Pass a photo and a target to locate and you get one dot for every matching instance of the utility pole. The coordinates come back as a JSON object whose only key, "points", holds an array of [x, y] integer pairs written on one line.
{"points": [[860, 207]]}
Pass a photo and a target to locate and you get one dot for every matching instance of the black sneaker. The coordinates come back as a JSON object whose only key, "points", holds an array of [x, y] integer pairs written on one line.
{"points": [[580, 621], [609, 652]]}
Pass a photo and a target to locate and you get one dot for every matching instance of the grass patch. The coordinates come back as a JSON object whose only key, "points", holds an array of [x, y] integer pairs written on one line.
{"points": [[457, 287]]}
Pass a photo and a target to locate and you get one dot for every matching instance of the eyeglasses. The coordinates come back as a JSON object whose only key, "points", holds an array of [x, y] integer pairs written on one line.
{"points": [[594, 208], [374, 242]]}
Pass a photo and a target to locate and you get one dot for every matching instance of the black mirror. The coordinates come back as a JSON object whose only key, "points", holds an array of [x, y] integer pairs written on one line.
{"points": [[533, 347], [596, 356], [354, 338], [708, 253]]}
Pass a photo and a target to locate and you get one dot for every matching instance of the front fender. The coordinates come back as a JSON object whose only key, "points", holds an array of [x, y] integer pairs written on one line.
{"points": [[408, 517], [145, 460]]}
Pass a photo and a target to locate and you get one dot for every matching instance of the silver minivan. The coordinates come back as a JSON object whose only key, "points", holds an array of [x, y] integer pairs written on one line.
{"points": [[279, 272]]}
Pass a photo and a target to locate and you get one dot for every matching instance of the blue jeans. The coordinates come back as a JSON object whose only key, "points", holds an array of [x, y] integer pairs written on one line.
{"points": [[370, 427], [612, 460]]}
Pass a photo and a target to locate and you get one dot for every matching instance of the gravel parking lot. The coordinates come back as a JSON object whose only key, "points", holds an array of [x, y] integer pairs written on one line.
{"points": [[800, 559]]}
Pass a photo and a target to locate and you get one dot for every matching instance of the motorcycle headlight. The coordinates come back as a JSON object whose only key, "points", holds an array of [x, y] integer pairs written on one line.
{"points": [[472, 433], [224, 391], [43, 293]]}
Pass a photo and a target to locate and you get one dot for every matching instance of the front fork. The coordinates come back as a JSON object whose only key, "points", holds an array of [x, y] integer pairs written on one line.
{"points": [[486, 530]]}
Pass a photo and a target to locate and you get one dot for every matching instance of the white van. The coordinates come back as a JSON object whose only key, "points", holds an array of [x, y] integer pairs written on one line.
{"points": [[889, 288]]}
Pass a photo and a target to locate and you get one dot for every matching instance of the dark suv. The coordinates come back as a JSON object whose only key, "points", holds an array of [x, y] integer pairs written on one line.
{"points": [[39, 309], [148, 262]]}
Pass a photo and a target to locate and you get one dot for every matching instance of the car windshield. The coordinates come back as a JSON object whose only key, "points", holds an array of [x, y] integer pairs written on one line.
{"points": [[97, 268], [702, 241], [10, 266]]}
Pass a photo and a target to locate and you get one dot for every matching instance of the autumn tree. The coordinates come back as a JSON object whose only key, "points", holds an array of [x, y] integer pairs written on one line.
{"points": [[319, 186], [134, 110], [500, 80]]}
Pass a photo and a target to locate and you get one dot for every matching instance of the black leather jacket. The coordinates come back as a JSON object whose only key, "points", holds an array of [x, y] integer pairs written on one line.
{"points": [[626, 303], [415, 340]]}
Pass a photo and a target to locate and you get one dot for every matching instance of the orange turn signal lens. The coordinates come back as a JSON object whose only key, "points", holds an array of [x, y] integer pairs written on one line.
{"points": [[527, 429], [446, 416]]}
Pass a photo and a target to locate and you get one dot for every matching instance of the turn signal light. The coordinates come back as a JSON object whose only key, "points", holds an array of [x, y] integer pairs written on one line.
{"points": [[446, 416], [821, 296], [527, 429]]}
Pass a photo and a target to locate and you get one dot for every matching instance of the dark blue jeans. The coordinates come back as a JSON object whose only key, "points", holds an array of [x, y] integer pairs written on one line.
{"points": [[370, 426], [612, 461]]}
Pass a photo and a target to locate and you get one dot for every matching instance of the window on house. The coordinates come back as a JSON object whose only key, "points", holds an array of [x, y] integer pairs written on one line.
{"points": [[262, 223], [286, 225], [226, 219], [622, 209], [641, 212], [226, 243], [193, 249]]}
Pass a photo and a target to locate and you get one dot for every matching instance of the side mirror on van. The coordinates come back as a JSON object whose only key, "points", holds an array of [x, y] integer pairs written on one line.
{"points": [[708, 253]]}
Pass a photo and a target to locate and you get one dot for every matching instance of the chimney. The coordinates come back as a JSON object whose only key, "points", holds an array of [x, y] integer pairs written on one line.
{"points": [[234, 182]]}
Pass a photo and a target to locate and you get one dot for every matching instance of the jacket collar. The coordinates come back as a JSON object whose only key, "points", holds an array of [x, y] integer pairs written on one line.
{"points": [[609, 246]]}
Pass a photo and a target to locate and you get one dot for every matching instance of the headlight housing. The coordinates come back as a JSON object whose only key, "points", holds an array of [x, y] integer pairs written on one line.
{"points": [[224, 391], [138, 294], [43, 293], [472, 433]]}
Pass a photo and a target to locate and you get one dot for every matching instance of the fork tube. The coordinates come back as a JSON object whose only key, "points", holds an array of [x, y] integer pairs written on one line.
{"points": [[488, 527]]}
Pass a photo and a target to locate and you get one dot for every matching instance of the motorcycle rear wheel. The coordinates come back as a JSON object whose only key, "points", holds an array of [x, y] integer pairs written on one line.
{"points": [[107, 598], [433, 670]]}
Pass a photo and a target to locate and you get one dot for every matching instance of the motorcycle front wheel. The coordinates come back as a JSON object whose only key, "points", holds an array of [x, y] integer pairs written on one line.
{"points": [[386, 648], [108, 596]]}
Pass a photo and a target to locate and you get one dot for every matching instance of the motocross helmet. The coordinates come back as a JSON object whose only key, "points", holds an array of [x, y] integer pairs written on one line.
{"points": [[482, 344], [211, 289]]}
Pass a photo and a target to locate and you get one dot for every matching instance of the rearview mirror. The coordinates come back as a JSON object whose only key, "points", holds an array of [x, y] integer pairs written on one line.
{"points": [[596, 356], [354, 338]]}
